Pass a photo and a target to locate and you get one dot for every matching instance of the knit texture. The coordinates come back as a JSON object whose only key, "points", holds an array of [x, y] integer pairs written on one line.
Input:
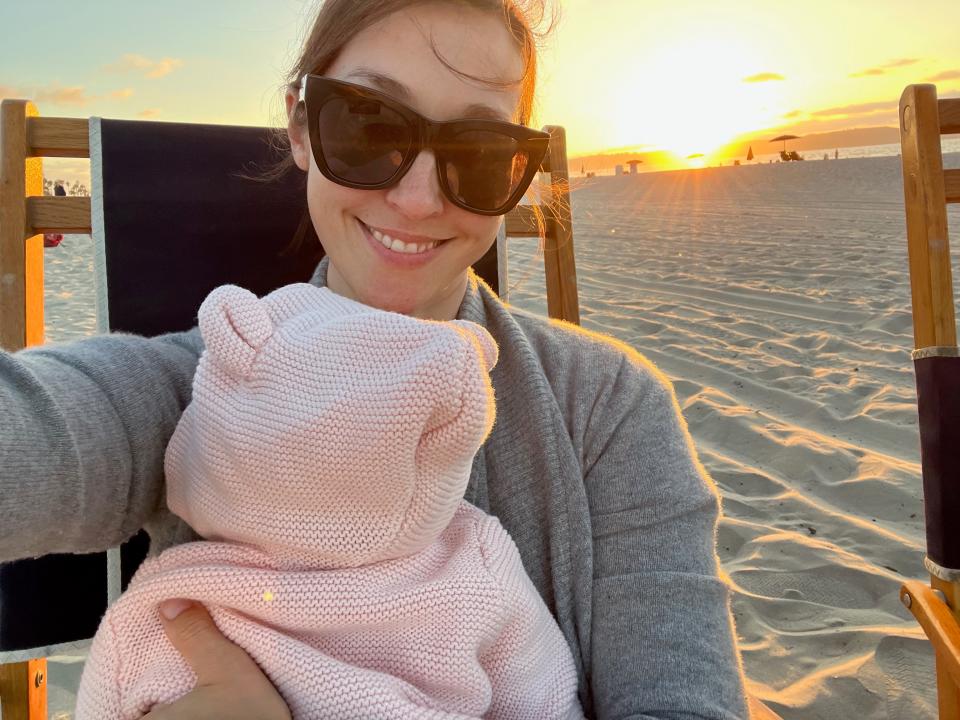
{"points": [[326, 432], [325, 455], [589, 467]]}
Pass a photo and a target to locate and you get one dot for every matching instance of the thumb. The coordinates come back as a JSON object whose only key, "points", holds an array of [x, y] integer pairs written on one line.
{"points": [[190, 629]]}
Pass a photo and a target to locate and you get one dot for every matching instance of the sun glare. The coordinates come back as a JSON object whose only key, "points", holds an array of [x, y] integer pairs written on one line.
{"points": [[694, 97]]}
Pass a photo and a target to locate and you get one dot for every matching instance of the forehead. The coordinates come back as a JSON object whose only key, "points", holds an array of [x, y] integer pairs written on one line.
{"points": [[397, 55]]}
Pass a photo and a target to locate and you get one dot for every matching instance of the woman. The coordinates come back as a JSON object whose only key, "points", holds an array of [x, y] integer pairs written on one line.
{"points": [[589, 466]]}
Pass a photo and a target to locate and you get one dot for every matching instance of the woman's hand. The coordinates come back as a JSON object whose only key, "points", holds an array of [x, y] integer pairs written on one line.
{"points": [[229, 683]]}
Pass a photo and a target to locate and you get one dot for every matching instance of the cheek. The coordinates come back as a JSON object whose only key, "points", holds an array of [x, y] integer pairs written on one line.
{"points": [[482, 227], [329, 201]]}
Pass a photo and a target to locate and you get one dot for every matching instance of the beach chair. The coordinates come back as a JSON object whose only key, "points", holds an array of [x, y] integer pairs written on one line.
{"points": [[168, 201], [927, 190]]}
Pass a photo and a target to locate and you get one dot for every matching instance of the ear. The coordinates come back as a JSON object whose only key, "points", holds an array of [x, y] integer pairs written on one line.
{"points": [[297, 131], [234, 325], [481, 338]]}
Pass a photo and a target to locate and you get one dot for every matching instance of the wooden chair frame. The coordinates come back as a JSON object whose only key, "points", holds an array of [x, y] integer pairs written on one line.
{"points": [[927, 191]]}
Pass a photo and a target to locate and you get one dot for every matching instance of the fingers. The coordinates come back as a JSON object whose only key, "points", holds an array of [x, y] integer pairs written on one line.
{"points": [[229, 683], [214, 659]]}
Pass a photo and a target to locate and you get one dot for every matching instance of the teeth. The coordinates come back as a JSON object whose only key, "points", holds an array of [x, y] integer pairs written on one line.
{"points": [[400, 246]]}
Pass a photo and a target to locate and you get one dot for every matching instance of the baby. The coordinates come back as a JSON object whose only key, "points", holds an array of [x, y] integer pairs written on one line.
{"points": [[324, 458]]}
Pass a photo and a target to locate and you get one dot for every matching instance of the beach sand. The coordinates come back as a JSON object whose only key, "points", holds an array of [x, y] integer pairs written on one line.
{"points": [[776, 298]]}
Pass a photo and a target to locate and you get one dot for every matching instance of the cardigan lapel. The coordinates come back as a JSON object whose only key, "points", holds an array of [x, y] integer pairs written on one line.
{"points": [[533, 477]]}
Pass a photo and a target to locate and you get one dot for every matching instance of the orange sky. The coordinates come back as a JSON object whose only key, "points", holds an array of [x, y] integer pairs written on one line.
{"points": [[689, 77], [684, 76]]}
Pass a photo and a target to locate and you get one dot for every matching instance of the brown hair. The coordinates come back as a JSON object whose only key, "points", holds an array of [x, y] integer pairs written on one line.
{"points": [[339, 21]]}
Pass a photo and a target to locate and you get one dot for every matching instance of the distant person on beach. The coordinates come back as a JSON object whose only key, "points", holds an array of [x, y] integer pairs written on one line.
{"points": [[54, 239], [589, 467], [323, 548]]}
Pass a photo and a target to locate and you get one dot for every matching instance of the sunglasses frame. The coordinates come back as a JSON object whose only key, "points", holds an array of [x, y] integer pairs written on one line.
{"points": [[316, 90]]}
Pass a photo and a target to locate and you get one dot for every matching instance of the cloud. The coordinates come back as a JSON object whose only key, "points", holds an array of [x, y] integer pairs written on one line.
{"points": [[882, 69], [165, 67], [54, 94], [793, 114], [148, 113], [58, 95], [764, 77], [945, 75], [902, 62], [131, 62], [860, 109], [121, 94]]}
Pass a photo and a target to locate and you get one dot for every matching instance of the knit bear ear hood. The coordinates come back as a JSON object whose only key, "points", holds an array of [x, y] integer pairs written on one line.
{"points": [[325, 432]]}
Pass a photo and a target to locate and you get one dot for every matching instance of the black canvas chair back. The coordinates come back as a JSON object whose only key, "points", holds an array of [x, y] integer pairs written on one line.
{"points": [[184, 209]]}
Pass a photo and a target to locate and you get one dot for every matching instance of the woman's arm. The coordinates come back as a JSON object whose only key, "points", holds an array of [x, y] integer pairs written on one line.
{"points": [[663, 639], [84, 430]]}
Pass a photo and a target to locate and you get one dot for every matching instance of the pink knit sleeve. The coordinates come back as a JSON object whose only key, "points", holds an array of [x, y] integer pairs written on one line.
{"points": [[98, 697], [529, 664]]}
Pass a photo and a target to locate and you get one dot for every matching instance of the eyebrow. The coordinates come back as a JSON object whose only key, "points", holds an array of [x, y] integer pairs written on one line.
{"points": [[397, 89]]}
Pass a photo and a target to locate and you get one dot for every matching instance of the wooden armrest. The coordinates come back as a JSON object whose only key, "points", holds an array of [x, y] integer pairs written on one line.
{"points": [[937, 622]]}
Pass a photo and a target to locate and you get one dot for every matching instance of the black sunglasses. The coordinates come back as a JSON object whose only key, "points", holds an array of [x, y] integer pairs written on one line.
{"points": [[362, 138]]}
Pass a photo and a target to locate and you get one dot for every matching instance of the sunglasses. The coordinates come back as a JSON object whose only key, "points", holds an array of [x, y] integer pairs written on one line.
{"points": [[364, 139]]}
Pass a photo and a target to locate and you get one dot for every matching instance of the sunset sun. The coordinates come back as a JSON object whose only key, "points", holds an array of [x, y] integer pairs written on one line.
{"points": [[698, 101]]}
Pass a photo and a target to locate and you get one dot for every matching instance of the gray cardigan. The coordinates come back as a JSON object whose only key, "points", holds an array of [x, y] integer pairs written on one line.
{"points": [[589, 467]]}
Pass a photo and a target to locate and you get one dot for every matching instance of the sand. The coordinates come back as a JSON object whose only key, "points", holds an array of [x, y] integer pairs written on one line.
{"points": [[776, 298]]}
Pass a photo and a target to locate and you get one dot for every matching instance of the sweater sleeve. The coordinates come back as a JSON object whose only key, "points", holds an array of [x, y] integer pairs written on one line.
{"points": [[98, 697], [663, 638], [85, 427], [528, 664]]}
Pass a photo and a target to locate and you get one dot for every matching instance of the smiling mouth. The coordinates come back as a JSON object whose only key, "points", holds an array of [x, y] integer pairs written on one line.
{"points": [[399, 246]]}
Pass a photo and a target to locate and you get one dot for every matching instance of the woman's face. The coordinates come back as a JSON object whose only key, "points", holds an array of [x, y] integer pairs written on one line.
{"points": [[395, 56]]}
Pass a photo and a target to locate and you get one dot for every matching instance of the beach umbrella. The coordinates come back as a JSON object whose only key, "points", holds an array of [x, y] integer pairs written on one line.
{"points": [[778, 138], [750, 154]]}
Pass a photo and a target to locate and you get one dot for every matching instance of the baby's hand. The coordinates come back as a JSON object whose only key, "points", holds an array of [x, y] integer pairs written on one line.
{"points": [[229, 683]]}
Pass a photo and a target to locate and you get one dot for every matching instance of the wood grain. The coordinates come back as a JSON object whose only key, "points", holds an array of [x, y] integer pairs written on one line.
{"points": [[924, 191], [58, 137]]}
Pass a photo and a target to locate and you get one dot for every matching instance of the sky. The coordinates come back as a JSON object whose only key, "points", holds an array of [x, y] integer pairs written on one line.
{"points": [[684, 76]]}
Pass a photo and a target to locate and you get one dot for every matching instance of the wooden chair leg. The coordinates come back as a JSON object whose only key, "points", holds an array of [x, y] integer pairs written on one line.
{"points": [[23, 685], [23, 690], [558, 258]]}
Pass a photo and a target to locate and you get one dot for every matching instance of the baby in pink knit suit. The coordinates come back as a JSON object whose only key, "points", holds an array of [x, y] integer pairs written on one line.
{"points": [[324, 458]]}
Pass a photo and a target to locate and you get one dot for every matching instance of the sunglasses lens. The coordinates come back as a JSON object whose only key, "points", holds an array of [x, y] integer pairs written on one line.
{"points": [[483, 168], [363, 141]]}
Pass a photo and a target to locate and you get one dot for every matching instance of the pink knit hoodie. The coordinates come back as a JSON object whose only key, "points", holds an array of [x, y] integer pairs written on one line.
{"points": [[324, 458]]}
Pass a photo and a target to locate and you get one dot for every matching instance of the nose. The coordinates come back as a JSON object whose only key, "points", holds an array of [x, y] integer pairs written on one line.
{"points": [[418, 194]]}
